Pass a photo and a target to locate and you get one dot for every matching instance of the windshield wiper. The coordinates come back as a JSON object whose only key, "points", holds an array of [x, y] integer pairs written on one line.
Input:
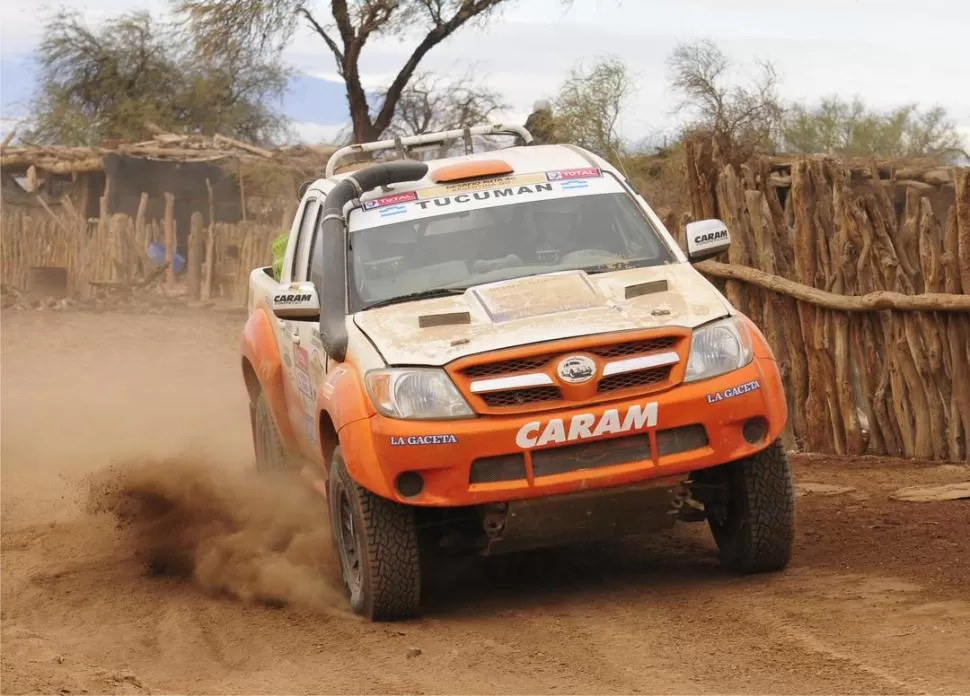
{"points": [[620, 265], [421, 295]]}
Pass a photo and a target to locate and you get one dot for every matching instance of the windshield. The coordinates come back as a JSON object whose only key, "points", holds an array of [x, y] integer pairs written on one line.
{"points": [[480, 232]]}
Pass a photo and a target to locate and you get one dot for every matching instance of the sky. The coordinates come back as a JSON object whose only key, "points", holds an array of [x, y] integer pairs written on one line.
{"points": [[889, 52]]}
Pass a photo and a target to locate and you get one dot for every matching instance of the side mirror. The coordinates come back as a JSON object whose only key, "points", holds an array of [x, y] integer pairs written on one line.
{"points": [[706, 238], [298, 301]]}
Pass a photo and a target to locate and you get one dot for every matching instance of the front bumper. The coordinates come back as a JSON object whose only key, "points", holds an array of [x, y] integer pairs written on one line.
{"points": [[495, 459]]}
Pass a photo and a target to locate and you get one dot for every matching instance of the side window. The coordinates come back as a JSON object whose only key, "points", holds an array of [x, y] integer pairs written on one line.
{"points": [[301, 259]]}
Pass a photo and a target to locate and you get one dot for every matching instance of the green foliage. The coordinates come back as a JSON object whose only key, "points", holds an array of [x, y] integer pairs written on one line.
{"points": [[588, 106], [743, 117], [751, 118], [109, 83], [279, 251], [264, 27], [841, 127]]}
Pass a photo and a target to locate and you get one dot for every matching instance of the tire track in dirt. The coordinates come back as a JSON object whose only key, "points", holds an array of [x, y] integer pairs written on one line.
{"points": [[874, 602]]}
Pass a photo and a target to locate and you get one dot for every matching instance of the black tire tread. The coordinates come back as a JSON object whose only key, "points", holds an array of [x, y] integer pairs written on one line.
{"points": [[764, 540], [275, 459], [392, 569]]}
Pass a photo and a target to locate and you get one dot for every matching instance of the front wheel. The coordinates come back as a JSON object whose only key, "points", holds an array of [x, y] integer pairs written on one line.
{"points": [[757, 530], [376, 542]]}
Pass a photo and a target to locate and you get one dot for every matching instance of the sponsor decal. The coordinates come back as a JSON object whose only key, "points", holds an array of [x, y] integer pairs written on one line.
{"points": [[573, 184], [711, 237], [731, 392], [330, 385], [460, 198], [292, 297], [582, 173], [576, 369], [401, 440], [303, 380], [302, 358], [393, 210], [480, 185], [392, 200], [316, 367], [586, 425]]}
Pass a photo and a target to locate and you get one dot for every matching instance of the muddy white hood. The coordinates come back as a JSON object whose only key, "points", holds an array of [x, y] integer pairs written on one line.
{"points": [[540, 308]]}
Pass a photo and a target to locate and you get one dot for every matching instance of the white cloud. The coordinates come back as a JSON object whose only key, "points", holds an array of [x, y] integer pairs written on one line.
{"points": [[315, 133]]}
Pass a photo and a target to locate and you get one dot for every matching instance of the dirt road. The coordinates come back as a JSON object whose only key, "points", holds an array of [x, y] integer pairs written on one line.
{"points": [[876, 599]]}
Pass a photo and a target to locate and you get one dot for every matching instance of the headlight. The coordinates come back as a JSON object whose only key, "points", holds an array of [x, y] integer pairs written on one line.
{"points": [[416, 394], [718, 348]]}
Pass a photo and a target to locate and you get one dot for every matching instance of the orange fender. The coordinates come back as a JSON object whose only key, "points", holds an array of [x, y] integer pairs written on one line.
{"points": [[343, 397], [259, 347]]}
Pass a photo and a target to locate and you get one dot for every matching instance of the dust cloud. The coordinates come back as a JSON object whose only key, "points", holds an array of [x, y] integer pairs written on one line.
{"points": [[253, 537]]}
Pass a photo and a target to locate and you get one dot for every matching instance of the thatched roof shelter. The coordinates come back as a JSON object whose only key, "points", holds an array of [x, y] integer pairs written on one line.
{"points": [[203, 174]]}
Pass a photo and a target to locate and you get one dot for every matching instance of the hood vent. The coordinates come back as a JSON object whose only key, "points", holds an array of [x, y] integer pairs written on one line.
{"points": [[648, 288], [447, 319]]}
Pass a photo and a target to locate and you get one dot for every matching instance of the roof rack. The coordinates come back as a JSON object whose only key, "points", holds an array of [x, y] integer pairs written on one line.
{"points": [[401, 144]]}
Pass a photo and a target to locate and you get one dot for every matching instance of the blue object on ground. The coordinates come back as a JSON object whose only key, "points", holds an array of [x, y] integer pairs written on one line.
{"points": [[156, 252]]}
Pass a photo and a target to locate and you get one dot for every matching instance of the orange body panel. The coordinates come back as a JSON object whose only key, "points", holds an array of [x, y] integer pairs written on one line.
{"points": [[378, 449], [259, 346], [446, 467]]}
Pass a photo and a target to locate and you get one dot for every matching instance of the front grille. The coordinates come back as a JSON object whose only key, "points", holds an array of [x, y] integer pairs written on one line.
{"points": [[548, 397], [640, 378], [508, 367], [504, 467], [591, 455], [682, 439], [622, 350], [521, 397]]}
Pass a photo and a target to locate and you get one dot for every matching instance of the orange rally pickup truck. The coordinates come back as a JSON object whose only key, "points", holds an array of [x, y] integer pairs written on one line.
{"points": [[504, 350]]}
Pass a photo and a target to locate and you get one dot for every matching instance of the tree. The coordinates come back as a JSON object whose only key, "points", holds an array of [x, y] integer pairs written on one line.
{"points": [[107, 84], [744, 119], [841, 127], [267, 26], [587, 108], [432, 103]]}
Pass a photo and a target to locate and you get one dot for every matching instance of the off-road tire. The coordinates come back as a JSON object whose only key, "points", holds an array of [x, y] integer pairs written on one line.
{"points": [[270, 453], [387, 583], [758, 531]]}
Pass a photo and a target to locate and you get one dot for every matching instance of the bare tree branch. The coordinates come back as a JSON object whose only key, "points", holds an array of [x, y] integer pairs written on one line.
{"points": [[267, 25]]}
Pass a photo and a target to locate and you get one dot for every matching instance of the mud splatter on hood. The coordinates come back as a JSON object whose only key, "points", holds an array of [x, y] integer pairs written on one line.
{"points": [[540, 308]]}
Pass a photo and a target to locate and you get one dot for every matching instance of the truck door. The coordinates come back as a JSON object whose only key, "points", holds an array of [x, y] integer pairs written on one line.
{"points": [[294, 337]]}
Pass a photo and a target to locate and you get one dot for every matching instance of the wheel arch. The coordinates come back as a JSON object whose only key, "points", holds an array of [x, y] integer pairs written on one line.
{"points": [[328, 438], [262, 371], [253, 387]]}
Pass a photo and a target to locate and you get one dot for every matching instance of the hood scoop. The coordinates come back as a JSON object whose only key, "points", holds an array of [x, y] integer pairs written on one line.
{"points": [[534, 296], [426, 321], [648, 288]]}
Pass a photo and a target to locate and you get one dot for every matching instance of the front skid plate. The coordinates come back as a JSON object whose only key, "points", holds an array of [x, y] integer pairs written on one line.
{"points": [[588, 516]]}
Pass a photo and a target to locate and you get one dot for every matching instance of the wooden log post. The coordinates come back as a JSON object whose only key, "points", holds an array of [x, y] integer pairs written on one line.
{"points": [[170, 240], [956, 260], [242, 191], [210, 260], [193, 266]]}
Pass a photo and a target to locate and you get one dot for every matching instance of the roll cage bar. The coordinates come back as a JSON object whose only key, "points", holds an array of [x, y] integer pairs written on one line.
{"points": [[403, 144]]}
